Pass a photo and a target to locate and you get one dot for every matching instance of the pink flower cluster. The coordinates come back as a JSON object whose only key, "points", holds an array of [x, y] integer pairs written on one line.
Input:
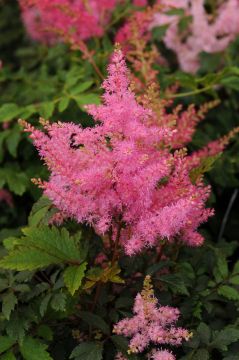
{"points": [[210, 33], [120, 356], [212, 149], [162, 355], [48, 21], [122, 175], [152, 324]]}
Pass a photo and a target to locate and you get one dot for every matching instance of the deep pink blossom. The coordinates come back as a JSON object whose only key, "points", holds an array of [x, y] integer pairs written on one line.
{"points": [[51, 20], [212, 149], [140, 2], [122, 175]]}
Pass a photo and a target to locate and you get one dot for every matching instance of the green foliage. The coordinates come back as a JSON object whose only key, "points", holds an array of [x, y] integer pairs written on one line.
{"points": [[33, 349], [87, 351], [57, 301], [5, 343], [73, 276], [9, 112], [41, 247], [9, 302]]}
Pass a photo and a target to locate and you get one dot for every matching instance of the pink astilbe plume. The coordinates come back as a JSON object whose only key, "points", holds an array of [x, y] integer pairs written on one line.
{"points": [[162, 355], [139, 22], [120, 356], [152, 325], [210, 33], [140, 2], [49, 21], [122, 176], [212, 149]]}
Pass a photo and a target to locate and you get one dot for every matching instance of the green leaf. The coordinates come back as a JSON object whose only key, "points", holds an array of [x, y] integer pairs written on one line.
{"points": [[17, 182], [28, 111], [73, 76], [222, 266], [236, 268], [8, 304], [158, 266], [18, 325], [73, 276], [58, 302], [8, 112], [63, 104], [53, 241], [204, 333], [41, 247], [8, 356], [234, 280], [231, 82], [201, 354], [177, 12], [22, 288], [120, 343], [33, 349], [87, 351], [46, 109], [175, 283], [3, 136], [184, 23], [16, 179], [224, 338], [12, 140], [6, 343], [27, 259], [96, 321], [39, 210], [44, 304], [85, 99], [158, 32], [45, 332], [228, 292], [80, 88], [209, 65]]}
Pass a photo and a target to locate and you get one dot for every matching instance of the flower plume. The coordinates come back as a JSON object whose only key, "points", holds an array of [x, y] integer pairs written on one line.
{"points": [[122, 175], [151, 324]]}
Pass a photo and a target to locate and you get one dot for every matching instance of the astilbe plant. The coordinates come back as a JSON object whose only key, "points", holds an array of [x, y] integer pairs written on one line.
{"points": [[125, 177], [49, 21], [151, 324]]}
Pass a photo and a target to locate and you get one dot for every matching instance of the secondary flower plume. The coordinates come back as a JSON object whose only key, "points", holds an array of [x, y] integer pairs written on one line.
{"points": [[151, 324], [127, 176], [51, 20], [206, 32]]}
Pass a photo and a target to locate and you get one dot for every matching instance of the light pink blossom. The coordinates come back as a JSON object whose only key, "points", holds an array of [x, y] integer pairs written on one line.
{"points": [[205, 32], [120, 356], [162, 355], [151, 324]]}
